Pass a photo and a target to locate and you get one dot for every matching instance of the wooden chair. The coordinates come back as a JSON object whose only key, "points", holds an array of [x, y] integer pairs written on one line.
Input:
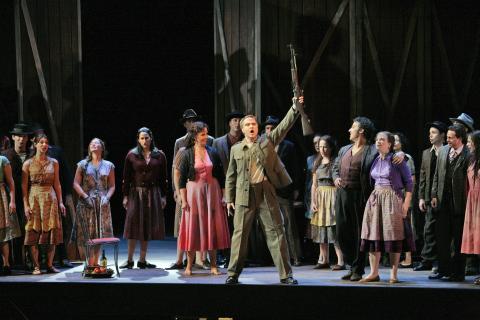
{"points": [[91, 243]]}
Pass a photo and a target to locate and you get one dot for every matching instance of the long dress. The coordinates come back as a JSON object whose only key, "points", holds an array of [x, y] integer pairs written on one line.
{"points": [[44, 225], [9, 227], [96, 220], [204, 226], [471, 227]]}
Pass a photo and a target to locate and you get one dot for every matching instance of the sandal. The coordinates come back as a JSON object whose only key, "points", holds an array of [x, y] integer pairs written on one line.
{"points": [[36, 271]]}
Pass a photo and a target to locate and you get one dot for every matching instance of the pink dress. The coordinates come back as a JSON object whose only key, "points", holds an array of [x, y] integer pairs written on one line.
{"points": [[471, 227], [204, 226]]}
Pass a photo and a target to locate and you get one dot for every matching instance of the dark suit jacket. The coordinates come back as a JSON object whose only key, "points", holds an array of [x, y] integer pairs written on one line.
{"points": [[459, 179], [286, 153], [425, 182], [369, 154], [221, 145]]}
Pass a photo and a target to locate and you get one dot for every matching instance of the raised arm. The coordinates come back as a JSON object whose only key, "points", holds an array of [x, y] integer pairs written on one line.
{"points": [[279, 133]]}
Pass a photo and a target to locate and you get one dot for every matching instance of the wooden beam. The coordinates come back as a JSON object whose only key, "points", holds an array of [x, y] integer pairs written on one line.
{"points": [[356, 57], [18, 56], [40, 74], [321, 48], [257, 72], [376, 61], [403, 62], [227, 83], [79, 68], [444, 56]]}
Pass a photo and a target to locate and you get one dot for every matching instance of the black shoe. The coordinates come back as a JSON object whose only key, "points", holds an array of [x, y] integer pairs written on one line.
{"points": [[175, 266], [471, 271], [232, 280], [127, 265], [7, 270], [145, 265], [347, 276], [289, 280], [355, 277], [423, 266], [52, 269], [436, 276], [322, 266]]}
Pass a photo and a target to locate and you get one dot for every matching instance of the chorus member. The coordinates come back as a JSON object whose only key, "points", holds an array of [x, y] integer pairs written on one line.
{"points": [[9, 227], [204, 224], [189, 116], [94, 183], [471, 227], [388, 204], [308, 180], [449, 200], [254, 172], [436, 135], [144, 196], [42, 199], [17, 156], [323, 204], [401, 144], [286, 195]]}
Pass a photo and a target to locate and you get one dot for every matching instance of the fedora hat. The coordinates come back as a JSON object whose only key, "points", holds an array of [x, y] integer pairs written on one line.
{"points": [[234, 114], [21, 129], [442, 127], [189, 114], [464, 119], [271, 120]]}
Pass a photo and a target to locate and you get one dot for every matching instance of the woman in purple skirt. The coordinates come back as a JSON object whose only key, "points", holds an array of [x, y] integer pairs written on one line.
{"points": [[383, 226]]}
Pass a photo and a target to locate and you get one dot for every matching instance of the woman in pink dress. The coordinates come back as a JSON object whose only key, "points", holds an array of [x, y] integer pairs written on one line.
{"points": [[203, 225], [471, 227]]}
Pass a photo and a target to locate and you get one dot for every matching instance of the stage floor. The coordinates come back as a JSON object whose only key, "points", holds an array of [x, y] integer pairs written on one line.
{"points": [[259, 292]]}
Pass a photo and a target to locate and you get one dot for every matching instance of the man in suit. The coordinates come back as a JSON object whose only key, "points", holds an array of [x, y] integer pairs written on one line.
{"points": [[286, 196], [189, 116], [449, 200], [253, 174], [472, 262], [436, 131], [223, 145]]}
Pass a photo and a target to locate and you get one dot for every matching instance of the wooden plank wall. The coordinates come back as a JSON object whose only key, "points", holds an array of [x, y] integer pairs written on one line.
{"points": [[420, 75], [238, 18], [56, 31]]}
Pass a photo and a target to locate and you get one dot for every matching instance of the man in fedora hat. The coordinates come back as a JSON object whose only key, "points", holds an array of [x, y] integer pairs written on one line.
{"points": [[465, 120], [189, 116], [448, 200], [223, 145], [17, 155], [285, 196], [473, 262], [436, 135]]}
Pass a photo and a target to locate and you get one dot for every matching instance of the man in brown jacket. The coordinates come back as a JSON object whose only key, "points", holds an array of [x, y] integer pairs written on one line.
{"points": [[254, 172]]}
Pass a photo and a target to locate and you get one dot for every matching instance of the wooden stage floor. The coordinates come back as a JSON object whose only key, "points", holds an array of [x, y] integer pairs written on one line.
{"points": [[169, 294]]}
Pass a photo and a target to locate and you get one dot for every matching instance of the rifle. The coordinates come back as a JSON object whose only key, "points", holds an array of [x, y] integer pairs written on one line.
{"points": [[297, 92]]}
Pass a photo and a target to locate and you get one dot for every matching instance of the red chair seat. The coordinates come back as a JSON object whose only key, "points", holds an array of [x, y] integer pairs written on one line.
{"points": [[102, 240]]}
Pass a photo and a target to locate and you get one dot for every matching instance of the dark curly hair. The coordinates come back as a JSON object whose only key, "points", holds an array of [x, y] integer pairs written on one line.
{"points": [[367, 126], [197, 127], [475, 156]]}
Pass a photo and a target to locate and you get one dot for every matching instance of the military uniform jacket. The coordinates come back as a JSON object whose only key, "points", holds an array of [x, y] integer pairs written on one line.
{"points": [[237, 184]]}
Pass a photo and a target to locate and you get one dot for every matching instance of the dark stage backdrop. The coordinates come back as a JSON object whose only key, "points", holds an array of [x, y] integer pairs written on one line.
{"points": [[144, 63]]}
